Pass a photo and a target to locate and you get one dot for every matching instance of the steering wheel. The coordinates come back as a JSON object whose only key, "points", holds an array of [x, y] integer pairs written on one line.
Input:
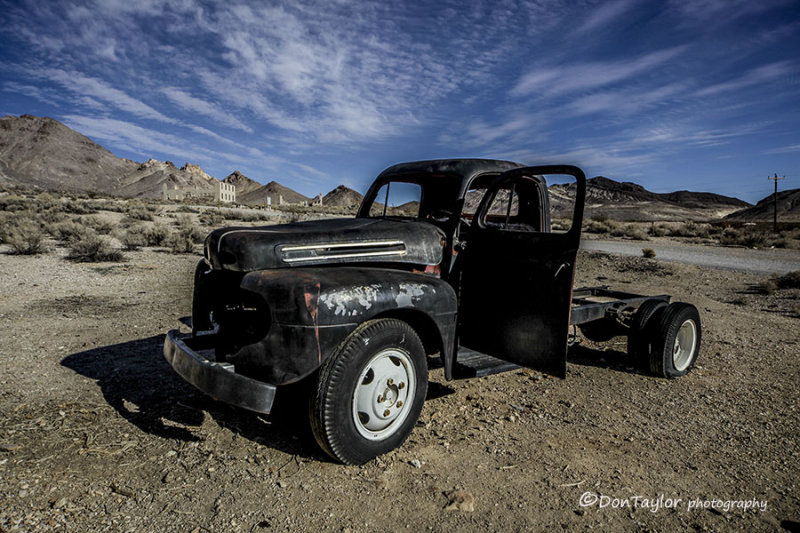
{"points": [[440, 215]]}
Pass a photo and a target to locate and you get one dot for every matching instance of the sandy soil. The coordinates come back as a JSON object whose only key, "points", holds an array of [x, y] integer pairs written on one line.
{"points": [[97, 433]]}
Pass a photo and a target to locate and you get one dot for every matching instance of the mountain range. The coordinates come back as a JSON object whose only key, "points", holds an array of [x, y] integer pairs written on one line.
{"points": [[44, 153], [630, 201]]}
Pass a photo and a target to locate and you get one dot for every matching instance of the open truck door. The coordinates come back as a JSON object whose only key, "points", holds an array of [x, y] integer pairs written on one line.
{"points": [[518, 267]]}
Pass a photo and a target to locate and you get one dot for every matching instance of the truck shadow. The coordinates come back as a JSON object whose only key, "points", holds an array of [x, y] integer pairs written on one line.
{"points": [[615, 360], [142, 387]]}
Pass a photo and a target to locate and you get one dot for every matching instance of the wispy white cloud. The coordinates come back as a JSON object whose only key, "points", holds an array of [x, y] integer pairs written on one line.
{"points": [[604, 14], [83, 86], [719, 12], [563, 79], [755, 77], [626, 101], [132, 137], [197, 105], [793, 148], [32, 91]]}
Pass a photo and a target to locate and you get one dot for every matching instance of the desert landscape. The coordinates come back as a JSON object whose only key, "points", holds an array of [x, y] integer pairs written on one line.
{"points": [[97, 432]]}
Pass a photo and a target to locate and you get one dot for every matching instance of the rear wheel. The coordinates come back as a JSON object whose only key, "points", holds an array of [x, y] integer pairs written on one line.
{"points": [[370, 392], [676, 340], [639, 336]]}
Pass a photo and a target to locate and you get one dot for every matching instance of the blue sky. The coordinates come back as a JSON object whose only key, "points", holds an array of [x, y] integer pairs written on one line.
{"points": [[698, 95]]}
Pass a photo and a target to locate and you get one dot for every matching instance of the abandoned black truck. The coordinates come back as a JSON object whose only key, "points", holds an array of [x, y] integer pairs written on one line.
{"points": [[468, 262]]}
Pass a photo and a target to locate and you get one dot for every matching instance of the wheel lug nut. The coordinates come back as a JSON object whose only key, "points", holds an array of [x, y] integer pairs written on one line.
{"points": [[387, 413], [401, 385], [380, 399], [391, 382], [400, 404]]}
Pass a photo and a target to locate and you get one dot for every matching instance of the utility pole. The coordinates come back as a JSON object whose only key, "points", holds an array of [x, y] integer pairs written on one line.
{"points": [[775, 213]]}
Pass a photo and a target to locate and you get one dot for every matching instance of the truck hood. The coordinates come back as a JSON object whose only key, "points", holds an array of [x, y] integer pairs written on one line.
{"points": [[315, 242]]}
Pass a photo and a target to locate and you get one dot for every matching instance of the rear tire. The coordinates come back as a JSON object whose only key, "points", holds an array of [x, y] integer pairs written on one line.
{"points": [[676, 340], [639, 336], [370, 392]]}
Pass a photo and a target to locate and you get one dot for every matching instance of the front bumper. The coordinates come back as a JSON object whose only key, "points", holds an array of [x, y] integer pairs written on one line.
{"points": [[219, 380]]}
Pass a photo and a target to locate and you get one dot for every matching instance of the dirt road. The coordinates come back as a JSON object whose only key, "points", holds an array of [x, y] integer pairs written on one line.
{"points": [[774, 261], [97, 433]]}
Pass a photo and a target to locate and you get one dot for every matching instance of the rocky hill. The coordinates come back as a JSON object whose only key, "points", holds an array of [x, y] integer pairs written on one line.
{"points": [[44, 153], [630, 201], [342, 196], [763, 211], [148, 179], [242, 183], [275, 191]]}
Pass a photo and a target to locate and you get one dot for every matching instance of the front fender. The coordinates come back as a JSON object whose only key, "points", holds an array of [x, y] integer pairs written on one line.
{"points": [[313, 310]]}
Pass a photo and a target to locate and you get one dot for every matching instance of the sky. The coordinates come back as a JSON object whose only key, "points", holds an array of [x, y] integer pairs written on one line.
{"points": [[701, 95]]}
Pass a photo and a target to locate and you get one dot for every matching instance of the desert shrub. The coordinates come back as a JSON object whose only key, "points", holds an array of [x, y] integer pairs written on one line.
{"points": [[648, 253], [79, 207], [211, 218], [180, 244], [133, 238], [186, 209], [657, 231], [93, 248], [101, 225], [690, 229], [749, 237], [183, 221], [46, 201], [109, 205], [68, 230], [768, 287], [194, 234], [140, 213], [6, 223], [52, 216], [600, 226], [630, 231], [156, 235], [25, 237], [244, 217], [13, 202], [789, 281]]}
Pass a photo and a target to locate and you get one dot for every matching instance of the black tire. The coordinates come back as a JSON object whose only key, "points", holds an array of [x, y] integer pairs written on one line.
{"points": [[382, 359], [601, 330], [676, 340], [639, 337]]}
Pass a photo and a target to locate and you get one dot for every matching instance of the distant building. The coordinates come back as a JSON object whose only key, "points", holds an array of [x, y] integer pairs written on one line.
{"points": [[173, 193], [225, 193]]}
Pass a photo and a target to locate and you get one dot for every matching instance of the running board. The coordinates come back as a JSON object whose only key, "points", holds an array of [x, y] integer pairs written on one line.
{"points": [[472, 364]]}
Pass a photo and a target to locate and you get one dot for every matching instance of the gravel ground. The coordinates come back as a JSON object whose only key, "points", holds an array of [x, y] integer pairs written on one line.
{"points": [[97, 433], [772, 261]]}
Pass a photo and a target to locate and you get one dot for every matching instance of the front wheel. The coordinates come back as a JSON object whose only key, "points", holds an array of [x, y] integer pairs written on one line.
{"points": [[370, 392]]}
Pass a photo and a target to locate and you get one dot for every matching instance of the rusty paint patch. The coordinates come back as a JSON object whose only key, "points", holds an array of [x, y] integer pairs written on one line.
{"points": [[312, 304]]}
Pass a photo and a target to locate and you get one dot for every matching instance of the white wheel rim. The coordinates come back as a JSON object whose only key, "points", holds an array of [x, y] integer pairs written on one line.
{"points": [[685, 344], [384, 394]]}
